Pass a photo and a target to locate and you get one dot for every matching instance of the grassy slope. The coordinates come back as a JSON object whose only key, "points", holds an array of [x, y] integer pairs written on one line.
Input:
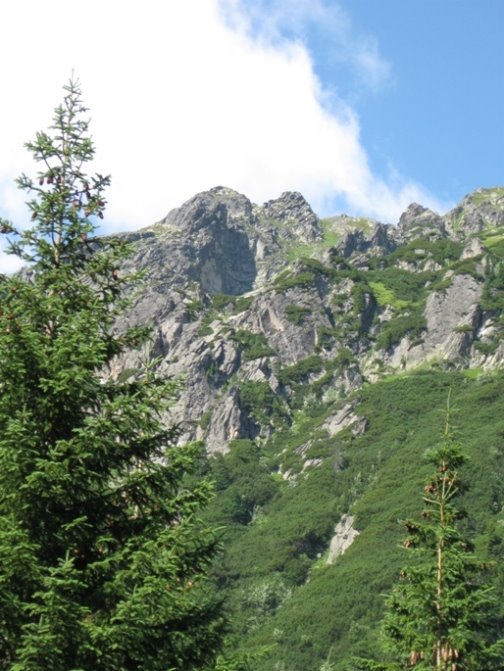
{"points": [[273, 571]]}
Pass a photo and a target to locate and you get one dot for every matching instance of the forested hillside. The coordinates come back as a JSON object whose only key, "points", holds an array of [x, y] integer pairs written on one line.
{"points": [[316, 358], [301, 365], [283, 584]]}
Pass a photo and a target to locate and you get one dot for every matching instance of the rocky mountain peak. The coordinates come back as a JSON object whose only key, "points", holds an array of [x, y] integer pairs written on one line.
{"points": [[293, 211], [215, 209], [480, 210], [206, 241], [419, 221], [254, 302], [281, 329]]}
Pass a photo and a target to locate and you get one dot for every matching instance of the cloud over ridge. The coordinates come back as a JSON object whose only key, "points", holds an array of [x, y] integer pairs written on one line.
{"points": [[185, 95]]}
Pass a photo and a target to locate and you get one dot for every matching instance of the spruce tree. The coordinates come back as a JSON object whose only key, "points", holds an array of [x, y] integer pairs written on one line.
{"points": [[102, 556], [442, 615]]}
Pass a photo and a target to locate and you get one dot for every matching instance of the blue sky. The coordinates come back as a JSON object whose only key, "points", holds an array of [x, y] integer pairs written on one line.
{"points": [[362, 105], [435, 108], [440, 116]]}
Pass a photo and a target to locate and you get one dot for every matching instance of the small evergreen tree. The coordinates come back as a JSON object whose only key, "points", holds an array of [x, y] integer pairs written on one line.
{"points": [[442, 614], [102, 557]]}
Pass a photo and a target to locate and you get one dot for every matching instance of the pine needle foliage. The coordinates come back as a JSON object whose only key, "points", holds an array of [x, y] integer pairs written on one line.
{"points": [[103, 558], [442, 614]]}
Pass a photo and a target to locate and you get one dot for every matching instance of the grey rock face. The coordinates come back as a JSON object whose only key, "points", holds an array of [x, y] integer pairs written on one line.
{"points": [[472, 248], [483, 209], [452, 316], [377, 241], [215, 250], [344, 417], [270, 317], [282, 313], [419, 221], [344, 536], [453, 307], [229, 422], [291, 210]]}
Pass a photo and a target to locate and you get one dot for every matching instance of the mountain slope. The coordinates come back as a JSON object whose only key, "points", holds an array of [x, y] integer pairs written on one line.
{"points": [[316, 357], [238, 294], [275, 568]]}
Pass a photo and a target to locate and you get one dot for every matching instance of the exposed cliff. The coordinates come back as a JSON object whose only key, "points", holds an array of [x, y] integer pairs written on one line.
{"points": [[315, 357], [271, 298]]}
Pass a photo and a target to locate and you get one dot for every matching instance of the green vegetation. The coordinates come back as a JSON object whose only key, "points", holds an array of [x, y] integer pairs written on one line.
{"points": [[274, 573], [205, 329], [299, 371], [362, 224], [493, 240], [331, 236], [302, 250], [103, 561], [286, 280], [246, 481], [468, 267], [385, 296], [296, 314], [235, 304], [194, 308], [405, 292], [344, 358], [441, 615], [221, 305], [260, 401], [326, 337], [405, 286], [492, 298], [318, 268], [402, 290], [493, 291], [254, 345], [441, 251], [483, 196], [412, 324], [205, 419]]}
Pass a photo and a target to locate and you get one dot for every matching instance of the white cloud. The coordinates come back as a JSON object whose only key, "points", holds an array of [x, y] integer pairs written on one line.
{"points": [[323, 22], [182, 101]]}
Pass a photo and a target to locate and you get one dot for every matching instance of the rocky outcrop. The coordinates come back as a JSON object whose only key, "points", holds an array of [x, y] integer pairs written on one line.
{"points": [[472, 249], [452, 316], [291, 338], [344, 536], [420, 222], [229, 421], [379, 240], [213, 246], [232, 302], [345, 417], [483, 209], [294, 216]]}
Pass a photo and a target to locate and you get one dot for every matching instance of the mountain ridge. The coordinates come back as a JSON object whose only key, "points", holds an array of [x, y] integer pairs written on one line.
{"points": [[238, 292], [314, 359]]}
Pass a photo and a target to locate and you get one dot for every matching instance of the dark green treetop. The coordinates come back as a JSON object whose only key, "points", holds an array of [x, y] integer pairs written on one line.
{"points": [[442, 615], [102, 556]]}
